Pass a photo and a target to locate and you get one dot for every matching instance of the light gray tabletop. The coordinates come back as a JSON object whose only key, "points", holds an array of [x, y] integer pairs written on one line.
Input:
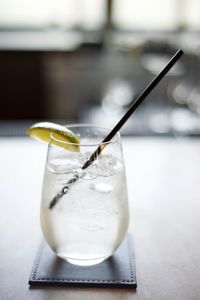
{"points": [[164, 196]]}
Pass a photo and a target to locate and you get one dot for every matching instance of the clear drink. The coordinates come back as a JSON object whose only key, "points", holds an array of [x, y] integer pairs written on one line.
{"points": [[90, 221]]}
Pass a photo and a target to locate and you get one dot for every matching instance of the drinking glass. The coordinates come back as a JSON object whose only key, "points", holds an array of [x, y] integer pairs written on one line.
{"points": [[90, 220]]}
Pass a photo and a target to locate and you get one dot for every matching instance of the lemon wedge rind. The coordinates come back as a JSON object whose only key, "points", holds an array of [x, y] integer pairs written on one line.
{"points": [[55, 134]]}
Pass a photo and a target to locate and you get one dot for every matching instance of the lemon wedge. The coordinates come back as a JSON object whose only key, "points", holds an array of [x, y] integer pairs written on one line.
{"points": [[62, 136]]}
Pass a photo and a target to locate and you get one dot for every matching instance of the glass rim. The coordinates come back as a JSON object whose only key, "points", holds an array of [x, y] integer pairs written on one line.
{"points": [[86, 144]]}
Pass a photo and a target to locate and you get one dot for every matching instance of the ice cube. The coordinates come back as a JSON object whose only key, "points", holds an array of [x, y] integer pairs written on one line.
{"points": [[88, 176], [102, 187], [64, 164], [106, 165]]}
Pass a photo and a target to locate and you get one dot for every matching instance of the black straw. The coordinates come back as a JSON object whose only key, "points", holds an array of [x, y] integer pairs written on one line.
{"points": [[135, 105], [123, 120]]}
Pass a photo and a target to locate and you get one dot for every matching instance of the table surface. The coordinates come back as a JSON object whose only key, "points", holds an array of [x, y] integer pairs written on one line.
{"points": [[164, 199]]}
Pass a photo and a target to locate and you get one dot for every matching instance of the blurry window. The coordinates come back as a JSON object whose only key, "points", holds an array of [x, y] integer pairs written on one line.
{"points": [[91, 14], [67, 14], [155, 14]]}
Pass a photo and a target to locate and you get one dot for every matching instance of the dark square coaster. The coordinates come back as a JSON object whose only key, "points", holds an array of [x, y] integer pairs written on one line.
{"points": [[116, 271]]}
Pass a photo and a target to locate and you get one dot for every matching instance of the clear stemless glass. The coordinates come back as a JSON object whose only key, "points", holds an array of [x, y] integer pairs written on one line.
{"points": [[90, 221]]}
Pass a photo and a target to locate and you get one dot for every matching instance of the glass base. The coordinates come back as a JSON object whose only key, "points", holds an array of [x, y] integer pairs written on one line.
{"points": [[83, 262]]}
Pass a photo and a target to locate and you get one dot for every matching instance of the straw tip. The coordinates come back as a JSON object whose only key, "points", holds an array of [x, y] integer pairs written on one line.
{"points": [[180, 52]]}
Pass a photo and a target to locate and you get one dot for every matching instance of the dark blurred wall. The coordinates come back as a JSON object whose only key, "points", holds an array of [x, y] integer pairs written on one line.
{"points": [[48, 84], [21, 87]]}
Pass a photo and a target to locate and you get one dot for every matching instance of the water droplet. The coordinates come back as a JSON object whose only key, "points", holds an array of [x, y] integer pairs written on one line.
{"points": [[88, 176], [113, 212]]}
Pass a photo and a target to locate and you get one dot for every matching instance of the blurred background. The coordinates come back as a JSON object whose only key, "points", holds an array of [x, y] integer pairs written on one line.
{"points": [[86, 61]]}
